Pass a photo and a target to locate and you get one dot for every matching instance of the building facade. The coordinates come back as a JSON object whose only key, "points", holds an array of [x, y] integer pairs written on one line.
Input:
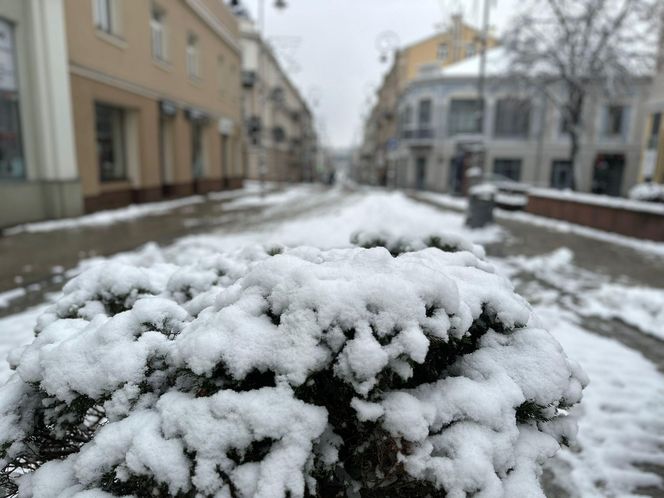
{"points": [[156, 98], [282, 142], [38, 173], [457, 42], [112, 102], [522, 135], [652, 167]]}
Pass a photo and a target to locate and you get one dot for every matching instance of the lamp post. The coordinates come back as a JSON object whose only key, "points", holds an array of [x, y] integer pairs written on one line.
{"points": [[388, 42], [263, 91]]}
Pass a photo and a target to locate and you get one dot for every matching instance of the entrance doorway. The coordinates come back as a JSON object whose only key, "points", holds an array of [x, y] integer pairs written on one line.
{"points": [[420, 172], [608, 174], [561, 174]]}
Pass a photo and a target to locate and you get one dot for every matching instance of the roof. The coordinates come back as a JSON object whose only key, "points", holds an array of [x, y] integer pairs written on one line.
{"points": [[497, 63]]}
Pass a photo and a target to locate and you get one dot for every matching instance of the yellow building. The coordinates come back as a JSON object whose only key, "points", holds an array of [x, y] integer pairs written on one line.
{"points": [[652, 167], [457, 42]]}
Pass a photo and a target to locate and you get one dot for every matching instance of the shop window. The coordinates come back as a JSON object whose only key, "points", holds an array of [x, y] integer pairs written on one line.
{"points": [[507, 169], [11, 150], [111, 143]]}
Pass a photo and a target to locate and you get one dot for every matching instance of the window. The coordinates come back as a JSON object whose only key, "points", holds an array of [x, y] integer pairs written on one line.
{"points": [[508, 168], [106, 16], [424, 114], [471, 50], [158, 32], [111, 151], [613, 120], [193, 56], [561, 174], [406, 119], [512, 118], [465, 116], [655, 126], [11, 150], [443, 51]]}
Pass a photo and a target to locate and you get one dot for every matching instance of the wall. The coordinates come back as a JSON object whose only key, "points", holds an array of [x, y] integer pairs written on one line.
{"points": [[119, 69], [50, 188], [646, 222]]}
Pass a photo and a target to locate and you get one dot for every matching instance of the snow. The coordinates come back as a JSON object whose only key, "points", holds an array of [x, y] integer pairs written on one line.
{"points": [[620, 416], [267, 200], [497, 63], [112, 216], [644, 246], [8, 296], [165, 339], [649, 192], [109, 217]]}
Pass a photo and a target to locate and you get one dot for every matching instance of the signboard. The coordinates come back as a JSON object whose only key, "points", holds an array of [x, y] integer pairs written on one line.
{"points": [[7, 61], [649, 163], [226, 126]]}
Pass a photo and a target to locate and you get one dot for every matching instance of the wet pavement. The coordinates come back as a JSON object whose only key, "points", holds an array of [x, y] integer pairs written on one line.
{"points": [[38, 261]]}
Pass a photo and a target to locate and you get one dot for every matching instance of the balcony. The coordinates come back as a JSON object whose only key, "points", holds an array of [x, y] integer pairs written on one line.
{"points": [[418, 136]]}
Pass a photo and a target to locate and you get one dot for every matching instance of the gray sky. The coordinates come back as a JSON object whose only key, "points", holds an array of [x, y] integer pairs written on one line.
{"points": [[334, 44]]}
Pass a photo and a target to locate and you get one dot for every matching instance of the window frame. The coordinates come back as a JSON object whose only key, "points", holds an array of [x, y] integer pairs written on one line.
{"points": [[453, 122], [120, 134], [158, 27], [505, 125], [511, 161], [608, 129], [193, 56], [443, 48]]}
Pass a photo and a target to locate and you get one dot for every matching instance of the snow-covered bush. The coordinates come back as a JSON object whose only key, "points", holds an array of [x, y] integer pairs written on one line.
{"points": [[650, 192], [288, 373]]}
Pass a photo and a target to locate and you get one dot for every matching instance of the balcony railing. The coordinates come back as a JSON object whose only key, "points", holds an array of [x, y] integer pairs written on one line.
{"points": [[417, 134]]}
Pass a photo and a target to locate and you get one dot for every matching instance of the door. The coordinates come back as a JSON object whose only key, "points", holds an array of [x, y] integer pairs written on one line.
{"points": [[420, 172], [561, 174], [224, 160], [608, 174], [455, 179]]}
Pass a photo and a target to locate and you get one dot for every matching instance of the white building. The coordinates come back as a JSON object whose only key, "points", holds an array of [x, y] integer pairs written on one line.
{"points": [[522, 133], [38, 173]]}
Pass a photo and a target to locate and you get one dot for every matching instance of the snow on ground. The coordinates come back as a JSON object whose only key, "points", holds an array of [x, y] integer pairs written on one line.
{"points": [[459, 204], [266, 200], [111, 216], [624, 405], [8, 296], [589, 294], [622, 414]]}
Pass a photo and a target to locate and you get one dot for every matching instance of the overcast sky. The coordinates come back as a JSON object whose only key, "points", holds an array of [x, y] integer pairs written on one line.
{"points": [[329, 46]]}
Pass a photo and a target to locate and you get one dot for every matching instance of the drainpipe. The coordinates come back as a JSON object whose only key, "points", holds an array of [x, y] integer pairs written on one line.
{"points": [[540, 140]]}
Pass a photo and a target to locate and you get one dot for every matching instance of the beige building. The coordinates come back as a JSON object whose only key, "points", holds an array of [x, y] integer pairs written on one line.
{"points": [[156, 98], [425, 57], [110, 102], [280, 128]]}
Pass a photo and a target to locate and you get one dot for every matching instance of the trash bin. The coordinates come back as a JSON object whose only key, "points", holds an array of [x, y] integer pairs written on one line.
{"points": [[480, 206]]}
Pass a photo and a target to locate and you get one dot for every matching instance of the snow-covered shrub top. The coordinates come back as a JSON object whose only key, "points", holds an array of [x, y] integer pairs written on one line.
{"points": [[650, 192], [296, 372], [401, 244]]}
